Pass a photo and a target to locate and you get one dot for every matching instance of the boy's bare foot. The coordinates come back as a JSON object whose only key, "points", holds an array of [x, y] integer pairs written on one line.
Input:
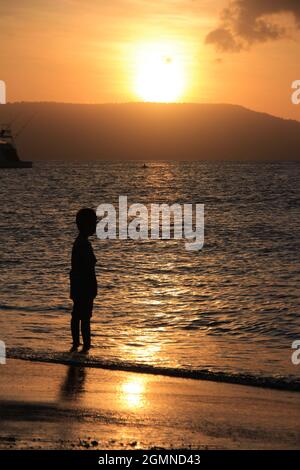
{"points": [[74, 349], [85, 350]]}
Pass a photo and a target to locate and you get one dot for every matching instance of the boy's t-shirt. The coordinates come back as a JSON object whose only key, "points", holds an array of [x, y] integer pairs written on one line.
{"points": [[83, 282]]}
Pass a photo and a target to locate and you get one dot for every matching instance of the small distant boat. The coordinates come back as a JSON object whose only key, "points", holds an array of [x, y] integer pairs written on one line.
{"points": [[145, 166], [8, 151]]}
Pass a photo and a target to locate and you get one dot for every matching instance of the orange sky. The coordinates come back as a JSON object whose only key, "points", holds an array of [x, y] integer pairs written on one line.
{"points": [[89, 51]]}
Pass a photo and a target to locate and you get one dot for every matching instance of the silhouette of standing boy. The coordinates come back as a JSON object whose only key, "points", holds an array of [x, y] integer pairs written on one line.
{"points": [[83, 282]]}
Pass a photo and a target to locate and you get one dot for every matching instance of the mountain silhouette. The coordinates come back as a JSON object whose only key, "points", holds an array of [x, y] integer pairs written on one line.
{"points": [[150, 131]]}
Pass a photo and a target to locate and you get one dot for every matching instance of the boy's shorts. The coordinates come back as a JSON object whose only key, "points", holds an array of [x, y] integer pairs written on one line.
{"points": [[82, 308]]}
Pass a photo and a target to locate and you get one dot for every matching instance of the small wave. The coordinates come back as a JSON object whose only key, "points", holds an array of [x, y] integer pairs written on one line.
{"points": [[7, 262], [40, 309], [272, 382]]}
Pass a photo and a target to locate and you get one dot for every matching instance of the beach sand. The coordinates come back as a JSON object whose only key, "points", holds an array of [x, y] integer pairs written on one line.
{"points": [[50, 406]]}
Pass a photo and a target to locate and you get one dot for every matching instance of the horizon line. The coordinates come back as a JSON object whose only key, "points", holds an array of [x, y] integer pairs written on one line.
{"points": [[117, 103]]}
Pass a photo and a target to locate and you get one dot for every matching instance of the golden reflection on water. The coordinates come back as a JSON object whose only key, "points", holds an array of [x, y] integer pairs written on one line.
{"points": [[132, 392], [144, 348]]}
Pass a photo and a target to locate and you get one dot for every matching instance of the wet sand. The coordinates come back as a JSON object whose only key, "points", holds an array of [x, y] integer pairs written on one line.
{"points": [[50, 406]]}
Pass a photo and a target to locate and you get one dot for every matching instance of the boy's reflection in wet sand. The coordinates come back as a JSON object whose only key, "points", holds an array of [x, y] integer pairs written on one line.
{"points": [[73, 386]]}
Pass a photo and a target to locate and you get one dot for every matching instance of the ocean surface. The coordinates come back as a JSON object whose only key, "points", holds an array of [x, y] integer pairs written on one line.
{"points": [[229, 310]]}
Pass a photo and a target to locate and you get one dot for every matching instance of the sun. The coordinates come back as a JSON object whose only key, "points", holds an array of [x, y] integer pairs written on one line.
{"points": [[160, 73]]}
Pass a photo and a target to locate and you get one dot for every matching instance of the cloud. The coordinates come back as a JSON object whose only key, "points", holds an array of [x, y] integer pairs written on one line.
{"points": [[247, 22]]}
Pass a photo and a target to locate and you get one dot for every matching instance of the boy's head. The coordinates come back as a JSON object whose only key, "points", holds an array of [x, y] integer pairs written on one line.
{"points": [[86, 221]]}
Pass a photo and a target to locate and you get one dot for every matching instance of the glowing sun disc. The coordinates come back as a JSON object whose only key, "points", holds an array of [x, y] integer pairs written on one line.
{"points": [[160, 74]]}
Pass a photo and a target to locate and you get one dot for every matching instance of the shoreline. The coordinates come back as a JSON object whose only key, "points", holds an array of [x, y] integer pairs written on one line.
{"points": [[266, 382], [54, 406]]}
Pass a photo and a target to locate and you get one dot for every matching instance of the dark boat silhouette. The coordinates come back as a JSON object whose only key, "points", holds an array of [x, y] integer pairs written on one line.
{"points": [[8, 151]]}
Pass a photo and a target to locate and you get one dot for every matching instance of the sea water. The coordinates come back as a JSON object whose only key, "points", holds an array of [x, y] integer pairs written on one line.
{"points": [[231, 308]]}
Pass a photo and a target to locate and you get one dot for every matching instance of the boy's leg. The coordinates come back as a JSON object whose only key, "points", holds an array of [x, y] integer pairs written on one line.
{"points": [[86, 322], [75, 331], [86, 332], [75, 326]]}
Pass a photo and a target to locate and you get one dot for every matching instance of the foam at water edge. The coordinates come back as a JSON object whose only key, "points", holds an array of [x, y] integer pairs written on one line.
{"points": [[273, 382]]}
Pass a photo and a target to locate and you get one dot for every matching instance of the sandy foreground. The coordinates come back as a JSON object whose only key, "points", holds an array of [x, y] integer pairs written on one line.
{"points": [[49, 406]]}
